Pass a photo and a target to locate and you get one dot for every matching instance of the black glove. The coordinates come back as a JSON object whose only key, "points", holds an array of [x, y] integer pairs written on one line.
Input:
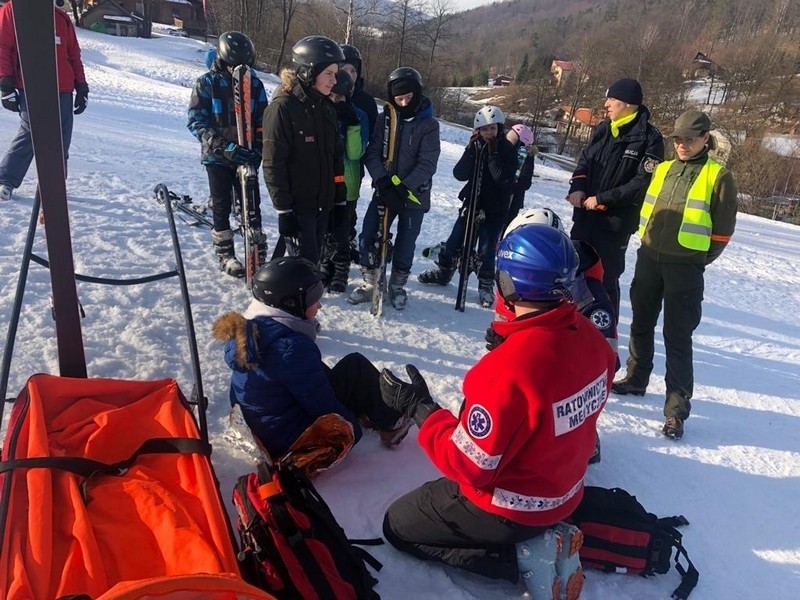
{"points": [[383, 184], [346, 113], [493, 339], [288, 225], [392, 200], [340, 193], [492, 145], [411, 399], [239, 155], [9, 94], [473, 140], [81, 97], [339, 213]]}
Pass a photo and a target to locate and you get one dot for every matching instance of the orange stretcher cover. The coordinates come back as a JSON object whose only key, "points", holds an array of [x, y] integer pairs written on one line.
{"points": [[158, 530]]}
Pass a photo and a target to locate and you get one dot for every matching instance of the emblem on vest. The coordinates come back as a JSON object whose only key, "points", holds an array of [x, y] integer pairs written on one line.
{"points": [[600, 318], [479, 422]]}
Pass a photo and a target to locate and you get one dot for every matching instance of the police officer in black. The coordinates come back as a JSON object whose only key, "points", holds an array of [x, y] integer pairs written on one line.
{"points": [[609, 183]]}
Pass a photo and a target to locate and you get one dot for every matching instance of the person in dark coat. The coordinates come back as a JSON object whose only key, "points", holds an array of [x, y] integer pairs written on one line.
{"points": [[613, 172], [278, 377], [499, 164], [404, 190], [303, 150]]}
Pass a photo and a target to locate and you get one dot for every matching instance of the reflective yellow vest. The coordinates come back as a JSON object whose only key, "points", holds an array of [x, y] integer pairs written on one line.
{"points": [[695, 231]]}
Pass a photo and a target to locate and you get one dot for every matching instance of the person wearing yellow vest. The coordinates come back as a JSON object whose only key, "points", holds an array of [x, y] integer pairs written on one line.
{"points": [[687, 218], [607, 187]]}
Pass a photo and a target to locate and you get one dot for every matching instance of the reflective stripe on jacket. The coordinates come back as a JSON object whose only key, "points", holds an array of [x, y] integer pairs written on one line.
{"points": [[696, 226]]}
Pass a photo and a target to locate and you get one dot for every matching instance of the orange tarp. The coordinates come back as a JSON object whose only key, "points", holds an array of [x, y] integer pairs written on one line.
{"points": [[160, 519]]}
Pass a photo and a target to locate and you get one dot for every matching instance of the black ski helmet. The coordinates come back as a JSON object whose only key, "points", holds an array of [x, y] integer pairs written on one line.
{"points": [[312, 54], [402, 81], [235, 48], [290, 283], [353, 57]]}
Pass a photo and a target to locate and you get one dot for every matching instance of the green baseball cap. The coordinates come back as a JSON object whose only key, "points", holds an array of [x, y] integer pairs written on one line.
{"points": [[692, 123]]}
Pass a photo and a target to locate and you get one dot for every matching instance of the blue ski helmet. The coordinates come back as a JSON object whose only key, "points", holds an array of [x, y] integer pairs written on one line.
{"points": [[535, 263]]}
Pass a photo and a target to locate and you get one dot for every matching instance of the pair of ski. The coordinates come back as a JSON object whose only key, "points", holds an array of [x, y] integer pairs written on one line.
{"points": [[469, 260], [389, 152]]}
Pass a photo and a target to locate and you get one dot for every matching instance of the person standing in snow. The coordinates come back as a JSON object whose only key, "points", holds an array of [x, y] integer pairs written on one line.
{"points": [[687, 220], [355, 135], [278, 377], [303, 150], [405, 193], [521, 137], [608, 185], [515, 457], [14, 165], [498, 166], [212, 120]]}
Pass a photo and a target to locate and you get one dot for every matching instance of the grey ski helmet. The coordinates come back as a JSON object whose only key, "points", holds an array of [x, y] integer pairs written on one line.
{"points": [[235, 48], [312, 54]]}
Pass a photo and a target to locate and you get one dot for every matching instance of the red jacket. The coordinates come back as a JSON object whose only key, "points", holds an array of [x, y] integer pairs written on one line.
{"points": [[522, 443], [68, 52]]}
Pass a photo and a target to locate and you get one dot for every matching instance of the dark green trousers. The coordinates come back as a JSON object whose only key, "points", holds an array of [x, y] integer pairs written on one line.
{"points": [[679, 287]]}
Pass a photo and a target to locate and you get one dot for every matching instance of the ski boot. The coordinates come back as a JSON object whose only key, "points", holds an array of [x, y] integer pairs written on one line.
{"points": [[441, 275], [486, 292], [363, 293], [549, 564], [223, 248], [397, 292], [5, 192], [338, 278]]}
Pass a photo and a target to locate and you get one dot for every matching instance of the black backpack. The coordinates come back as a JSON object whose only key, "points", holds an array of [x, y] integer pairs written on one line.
{"points": [[620, 536], [292, 545]]}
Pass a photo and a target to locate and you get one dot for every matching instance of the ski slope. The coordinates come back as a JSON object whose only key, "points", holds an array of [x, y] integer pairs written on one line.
{"points": [[735, 475]]}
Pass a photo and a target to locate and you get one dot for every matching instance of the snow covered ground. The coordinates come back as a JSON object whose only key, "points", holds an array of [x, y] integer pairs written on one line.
{"points": [[735, 475]]}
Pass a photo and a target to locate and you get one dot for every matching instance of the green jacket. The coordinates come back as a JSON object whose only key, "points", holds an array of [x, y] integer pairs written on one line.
{"points": [[354, 147], [660, 239]]}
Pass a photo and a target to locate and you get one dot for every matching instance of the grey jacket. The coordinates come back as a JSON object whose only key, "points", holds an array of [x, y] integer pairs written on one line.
{"points": [[417, 156]]}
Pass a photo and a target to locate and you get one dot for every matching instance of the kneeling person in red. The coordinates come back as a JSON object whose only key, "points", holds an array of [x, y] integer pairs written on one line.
{"points": [[515, 458]]}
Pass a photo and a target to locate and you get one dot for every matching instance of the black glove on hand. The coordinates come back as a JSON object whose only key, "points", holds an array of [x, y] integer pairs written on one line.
{"points": [[340, 193], [493, 339], [81, 97], [239, 155], [392, 200], [288, 225], [473, 140], [411, 399], [9, 94], [346, 113], [383, 184], [255, 158], [492, 145]]}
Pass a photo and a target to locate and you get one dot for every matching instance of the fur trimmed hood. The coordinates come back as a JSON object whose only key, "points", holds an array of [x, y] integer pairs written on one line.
{"points": [[233, 326]]}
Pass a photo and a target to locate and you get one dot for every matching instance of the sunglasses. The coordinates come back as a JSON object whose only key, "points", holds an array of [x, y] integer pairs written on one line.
{"points": [[685, 141]]}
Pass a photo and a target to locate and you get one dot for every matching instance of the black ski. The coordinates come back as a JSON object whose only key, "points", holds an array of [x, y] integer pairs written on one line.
{"points": [[468, 259], [34, 23], [389, 152], [248, 175]]}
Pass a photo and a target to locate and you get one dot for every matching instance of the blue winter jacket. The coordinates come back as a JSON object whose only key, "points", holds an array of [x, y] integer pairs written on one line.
{"points": [[281, 385]]}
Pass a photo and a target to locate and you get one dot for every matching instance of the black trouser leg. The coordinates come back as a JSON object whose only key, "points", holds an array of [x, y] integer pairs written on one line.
{"points": [[436, 522], [356, 384], [221, 180], [611, 247], [683, 298], [313, 225], [647, 291]]}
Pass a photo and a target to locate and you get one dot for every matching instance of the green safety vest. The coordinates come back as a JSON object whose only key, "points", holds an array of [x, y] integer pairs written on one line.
{"points": [[695, 231]]}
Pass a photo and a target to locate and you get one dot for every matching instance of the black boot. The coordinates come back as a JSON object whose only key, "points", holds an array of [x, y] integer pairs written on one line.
{"points": [[341, 271], [397, 291]]}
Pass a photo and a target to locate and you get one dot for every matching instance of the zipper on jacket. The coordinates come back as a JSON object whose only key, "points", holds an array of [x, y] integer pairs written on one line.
{"points": [[669, 204]]}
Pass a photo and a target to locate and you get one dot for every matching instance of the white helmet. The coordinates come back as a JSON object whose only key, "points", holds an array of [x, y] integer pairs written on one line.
{"points": [[544, 216], [488, 115]]}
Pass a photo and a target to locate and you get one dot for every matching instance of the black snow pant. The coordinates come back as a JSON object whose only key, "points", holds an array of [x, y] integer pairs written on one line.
{"points": [[356, 384], [223, 184], [680, 287], [313, 225], [436, 522], [611, 247]]}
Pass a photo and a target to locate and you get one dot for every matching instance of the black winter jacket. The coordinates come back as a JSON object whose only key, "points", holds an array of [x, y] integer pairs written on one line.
{"points": [[617, 171], [497, 179], [303, 150]]}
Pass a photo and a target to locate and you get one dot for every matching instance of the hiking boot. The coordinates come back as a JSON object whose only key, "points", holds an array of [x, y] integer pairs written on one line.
{"points": [[486, 292], [627, 386], [397, 292], [338, 280], [5, 192], [363, 293], [673, 428], [223, 248], [436, 276], [392, 437]]}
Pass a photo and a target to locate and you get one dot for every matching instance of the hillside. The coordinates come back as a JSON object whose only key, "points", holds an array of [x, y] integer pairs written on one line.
{"points": [[735, 475]]}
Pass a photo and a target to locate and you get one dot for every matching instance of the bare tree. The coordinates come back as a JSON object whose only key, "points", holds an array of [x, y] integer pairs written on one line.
{"points": [[437, 27], [287, 8]]}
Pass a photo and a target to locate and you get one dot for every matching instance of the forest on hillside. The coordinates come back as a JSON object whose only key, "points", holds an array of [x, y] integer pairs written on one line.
{"points": [[754, 48]]}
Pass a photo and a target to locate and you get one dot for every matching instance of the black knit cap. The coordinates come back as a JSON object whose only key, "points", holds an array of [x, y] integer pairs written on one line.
{"points": [[626, 90]]}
